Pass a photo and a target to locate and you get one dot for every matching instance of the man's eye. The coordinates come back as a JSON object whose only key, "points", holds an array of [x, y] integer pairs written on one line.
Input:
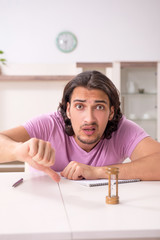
{"points": [[79, 106], [100, 107]]}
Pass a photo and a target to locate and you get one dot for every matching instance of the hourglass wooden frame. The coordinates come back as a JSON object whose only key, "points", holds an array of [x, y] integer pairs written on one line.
{"points": [[112, 172]]}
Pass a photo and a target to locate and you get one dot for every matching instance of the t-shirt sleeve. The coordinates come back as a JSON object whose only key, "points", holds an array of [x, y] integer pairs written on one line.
{"points": [[128, 135]]}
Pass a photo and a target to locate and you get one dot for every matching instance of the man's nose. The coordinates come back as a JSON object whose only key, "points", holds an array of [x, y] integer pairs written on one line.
{"points": [[89, 115]]}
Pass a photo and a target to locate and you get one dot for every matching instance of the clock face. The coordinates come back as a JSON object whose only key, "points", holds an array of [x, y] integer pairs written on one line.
{"points": [[66, 42]]}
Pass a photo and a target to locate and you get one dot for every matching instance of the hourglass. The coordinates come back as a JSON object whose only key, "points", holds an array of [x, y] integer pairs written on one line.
{"points": [[112, 197]]}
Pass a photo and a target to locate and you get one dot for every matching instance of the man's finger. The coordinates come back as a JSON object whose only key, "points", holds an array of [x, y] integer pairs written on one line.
{"points": [[33, 147], [50, 172]]}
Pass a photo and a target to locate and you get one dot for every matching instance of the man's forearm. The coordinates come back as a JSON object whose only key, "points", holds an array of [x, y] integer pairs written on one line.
{"points": [[147, 169], [7, 147]]}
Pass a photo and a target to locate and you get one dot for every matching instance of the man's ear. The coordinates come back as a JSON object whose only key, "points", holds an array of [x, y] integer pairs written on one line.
{"points": [[111, 115], [68, 110]]}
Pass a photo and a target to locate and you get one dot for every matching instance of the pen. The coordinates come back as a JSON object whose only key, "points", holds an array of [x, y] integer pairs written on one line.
{"points": [[17, 183]]}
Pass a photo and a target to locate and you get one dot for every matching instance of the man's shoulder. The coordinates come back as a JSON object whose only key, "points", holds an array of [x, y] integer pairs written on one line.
{"points": [[54, 118], [51, 116], [45, 125], [129, 130], [124, 122], [126, 137], [46, 120]]}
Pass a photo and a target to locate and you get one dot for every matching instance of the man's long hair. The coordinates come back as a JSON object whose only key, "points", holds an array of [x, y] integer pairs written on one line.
{"points": [[92, 80]]}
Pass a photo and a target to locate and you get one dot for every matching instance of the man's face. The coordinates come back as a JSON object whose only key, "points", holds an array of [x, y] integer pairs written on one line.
{"points": [[89, 112]]}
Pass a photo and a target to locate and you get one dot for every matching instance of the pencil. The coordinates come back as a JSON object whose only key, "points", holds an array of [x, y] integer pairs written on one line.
{"points": [[17, 183]]}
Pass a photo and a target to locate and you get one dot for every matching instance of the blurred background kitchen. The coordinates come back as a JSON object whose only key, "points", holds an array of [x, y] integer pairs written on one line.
{"points": [[120, 38]]}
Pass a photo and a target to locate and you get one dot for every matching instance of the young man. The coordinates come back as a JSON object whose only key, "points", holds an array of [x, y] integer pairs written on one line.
{"points": [[86, 134]]}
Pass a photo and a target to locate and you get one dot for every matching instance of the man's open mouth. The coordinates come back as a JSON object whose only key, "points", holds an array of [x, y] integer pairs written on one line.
{"points": [[89, 130]]}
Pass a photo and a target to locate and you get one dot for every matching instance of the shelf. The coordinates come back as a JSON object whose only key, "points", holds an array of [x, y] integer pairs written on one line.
{"points": [[12, 167], [142, 119], [138, 64], [139, 94], [35, 78], [94, 64]]}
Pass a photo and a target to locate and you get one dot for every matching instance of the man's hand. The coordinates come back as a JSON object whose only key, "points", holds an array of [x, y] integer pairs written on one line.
{"points": [[77, 171], [38, 154]]}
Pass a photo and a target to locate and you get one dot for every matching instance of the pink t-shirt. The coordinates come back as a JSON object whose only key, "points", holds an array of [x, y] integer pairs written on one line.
{"points": [[50, 127]]}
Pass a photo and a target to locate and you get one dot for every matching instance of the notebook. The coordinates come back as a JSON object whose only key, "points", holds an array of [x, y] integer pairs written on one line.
{"points": [[101, 182]]}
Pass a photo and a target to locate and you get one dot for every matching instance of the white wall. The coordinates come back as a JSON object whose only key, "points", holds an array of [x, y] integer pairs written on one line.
{"points": [[20, 101], [107, 31]]}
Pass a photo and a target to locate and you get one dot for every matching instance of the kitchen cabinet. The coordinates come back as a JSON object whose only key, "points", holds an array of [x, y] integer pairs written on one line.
{"points": [[138, 83]]}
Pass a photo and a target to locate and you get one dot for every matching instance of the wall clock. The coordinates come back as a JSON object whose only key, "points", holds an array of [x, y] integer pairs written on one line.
{"points": [[66, 42]]}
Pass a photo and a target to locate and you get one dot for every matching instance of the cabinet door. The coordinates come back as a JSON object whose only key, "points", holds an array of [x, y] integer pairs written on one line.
{"points": [[139, 94]]}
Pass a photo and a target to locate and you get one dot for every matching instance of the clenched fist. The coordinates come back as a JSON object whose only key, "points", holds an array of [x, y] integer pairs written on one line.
{"points": [[38, 154]]}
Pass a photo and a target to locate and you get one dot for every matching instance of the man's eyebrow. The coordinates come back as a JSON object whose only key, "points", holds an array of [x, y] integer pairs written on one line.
{"points": [[79, 100], [96, 101], [101, 101]]}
